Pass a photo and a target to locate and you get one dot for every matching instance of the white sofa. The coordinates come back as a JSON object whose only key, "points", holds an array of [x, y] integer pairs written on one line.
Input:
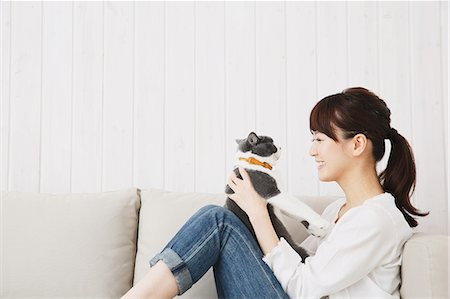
{"points": [[98, 245]]}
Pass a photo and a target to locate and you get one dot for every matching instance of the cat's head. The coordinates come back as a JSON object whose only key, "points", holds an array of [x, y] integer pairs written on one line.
{"points": [[259, 147]]}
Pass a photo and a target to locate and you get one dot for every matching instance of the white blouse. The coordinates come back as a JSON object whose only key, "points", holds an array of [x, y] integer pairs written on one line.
{"points": [[360, 257]]}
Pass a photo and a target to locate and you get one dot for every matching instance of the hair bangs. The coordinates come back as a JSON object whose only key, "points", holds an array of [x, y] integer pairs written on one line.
{"points": [[323, 117]]}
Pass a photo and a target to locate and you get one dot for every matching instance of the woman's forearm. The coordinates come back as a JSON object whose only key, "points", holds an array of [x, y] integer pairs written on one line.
{"points": [[265, 233]]}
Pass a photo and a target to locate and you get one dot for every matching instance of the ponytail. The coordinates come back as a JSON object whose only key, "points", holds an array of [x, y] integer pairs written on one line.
{"points": [[399, 177]]}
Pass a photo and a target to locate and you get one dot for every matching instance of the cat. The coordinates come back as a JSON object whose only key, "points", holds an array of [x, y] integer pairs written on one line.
{"points": [[258, 155]]}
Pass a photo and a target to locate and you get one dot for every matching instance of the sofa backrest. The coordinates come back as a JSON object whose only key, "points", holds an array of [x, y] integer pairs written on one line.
{"points": [[89, 245], [68, 246]]}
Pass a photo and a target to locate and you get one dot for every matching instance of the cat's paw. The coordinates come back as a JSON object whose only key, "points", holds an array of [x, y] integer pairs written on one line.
{"points": [[318, 229]]}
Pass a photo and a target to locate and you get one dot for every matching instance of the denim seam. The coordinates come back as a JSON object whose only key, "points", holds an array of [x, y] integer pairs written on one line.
{"points": [[257, 258], [197, 248]]}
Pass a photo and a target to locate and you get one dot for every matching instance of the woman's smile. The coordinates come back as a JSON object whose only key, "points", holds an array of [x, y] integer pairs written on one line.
{"points": [[320, 164]]}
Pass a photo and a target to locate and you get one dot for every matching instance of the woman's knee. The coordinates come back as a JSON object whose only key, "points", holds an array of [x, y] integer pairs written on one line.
{"points": [[217, 212], [209, 209]]}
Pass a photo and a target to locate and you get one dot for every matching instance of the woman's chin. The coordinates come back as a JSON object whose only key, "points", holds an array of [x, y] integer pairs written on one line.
{"points": [[324, 178]]}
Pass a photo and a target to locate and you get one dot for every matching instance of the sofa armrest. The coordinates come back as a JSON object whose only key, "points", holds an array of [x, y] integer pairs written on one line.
{"points": [[425, 267]]}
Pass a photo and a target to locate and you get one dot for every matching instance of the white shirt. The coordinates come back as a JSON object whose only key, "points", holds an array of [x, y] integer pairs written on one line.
{"points": [[360, 257]]}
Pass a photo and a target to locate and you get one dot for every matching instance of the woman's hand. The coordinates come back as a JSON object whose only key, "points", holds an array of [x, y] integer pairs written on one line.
{"points": [[245, 195]]}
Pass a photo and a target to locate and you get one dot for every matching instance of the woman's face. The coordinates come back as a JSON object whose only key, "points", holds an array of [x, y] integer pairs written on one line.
{"points": [[333, 158]]}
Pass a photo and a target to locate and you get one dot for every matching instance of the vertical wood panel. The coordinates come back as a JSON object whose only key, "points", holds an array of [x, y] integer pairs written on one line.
{"points": [[301, 96], [210, 168], [87, 97], [394, 67], [25, 110], [239, 75], [5, 13], [180, 97], [445, 98], [5, 59], [332, 61], [118, 95], [271, 77], [331, 47], [149, 95], [56, 97], [427, 113], [362, 45]]}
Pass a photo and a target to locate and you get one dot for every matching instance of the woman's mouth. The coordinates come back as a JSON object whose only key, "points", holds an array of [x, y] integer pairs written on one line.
{"points": [[320, 164]]}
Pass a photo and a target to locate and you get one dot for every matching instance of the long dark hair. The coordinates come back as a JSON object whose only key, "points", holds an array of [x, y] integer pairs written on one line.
{"points": [[358, 110]]}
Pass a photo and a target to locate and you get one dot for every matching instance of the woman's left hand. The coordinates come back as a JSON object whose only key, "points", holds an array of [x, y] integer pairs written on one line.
{"points": [[245, 195]]}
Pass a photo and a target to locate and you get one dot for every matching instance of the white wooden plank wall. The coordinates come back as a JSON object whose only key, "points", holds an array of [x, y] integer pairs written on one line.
{"points": [[209, 96], [102, 96], [301, 92], [87, 106], [427, 113], [56, 100], [149, 93]]}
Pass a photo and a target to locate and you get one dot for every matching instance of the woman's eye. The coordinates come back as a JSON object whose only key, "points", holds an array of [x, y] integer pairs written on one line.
{"points": [[318, 139]]}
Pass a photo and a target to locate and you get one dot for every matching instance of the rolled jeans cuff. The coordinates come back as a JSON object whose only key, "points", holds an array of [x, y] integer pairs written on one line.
{"points": [[177, 266]]}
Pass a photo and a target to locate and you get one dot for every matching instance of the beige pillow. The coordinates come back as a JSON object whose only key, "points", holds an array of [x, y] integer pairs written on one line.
{"points": [[75, 245], [162, 214]]}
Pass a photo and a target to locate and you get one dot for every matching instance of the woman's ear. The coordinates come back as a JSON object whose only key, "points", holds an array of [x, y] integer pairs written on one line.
{"points": [[359, 144]]}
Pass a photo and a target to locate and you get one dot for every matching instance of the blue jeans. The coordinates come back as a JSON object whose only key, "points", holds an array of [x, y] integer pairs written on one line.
{"points": [[214, 236]]}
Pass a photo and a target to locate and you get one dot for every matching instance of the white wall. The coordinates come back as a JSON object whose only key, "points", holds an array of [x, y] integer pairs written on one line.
{"points": [[102, 96]]}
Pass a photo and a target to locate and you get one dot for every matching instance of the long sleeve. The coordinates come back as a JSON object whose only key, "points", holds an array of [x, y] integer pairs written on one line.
{"points": [[358, 243]]}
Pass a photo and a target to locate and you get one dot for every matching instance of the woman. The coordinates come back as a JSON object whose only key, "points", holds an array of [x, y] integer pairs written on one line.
{"points": [[361, 255]]}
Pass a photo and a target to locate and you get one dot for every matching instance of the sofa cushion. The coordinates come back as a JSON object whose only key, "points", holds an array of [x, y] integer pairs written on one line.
{"points": [[425, 267], [76, 245], [162, 214]]}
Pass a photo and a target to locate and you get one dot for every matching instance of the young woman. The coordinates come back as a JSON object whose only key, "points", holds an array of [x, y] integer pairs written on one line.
{"points": [[360, 257]]}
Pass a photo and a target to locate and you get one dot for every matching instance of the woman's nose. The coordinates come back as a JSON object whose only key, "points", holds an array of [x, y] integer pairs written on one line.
{"points": [[312, 150]]}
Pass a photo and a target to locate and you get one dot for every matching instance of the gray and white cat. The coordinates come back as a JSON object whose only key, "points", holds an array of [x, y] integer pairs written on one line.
{"points": [[258, 155]]}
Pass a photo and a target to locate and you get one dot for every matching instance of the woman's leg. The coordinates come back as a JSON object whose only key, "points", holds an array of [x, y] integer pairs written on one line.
{"points": [[157, 283], [214, 236]]}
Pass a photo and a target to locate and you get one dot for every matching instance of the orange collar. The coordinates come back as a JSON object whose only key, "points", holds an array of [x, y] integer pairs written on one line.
{"points": [[254, 161]]}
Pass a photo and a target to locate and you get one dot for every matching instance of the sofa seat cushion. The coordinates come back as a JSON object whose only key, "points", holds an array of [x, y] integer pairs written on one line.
{"points": [[75, 245], [162, 214]]}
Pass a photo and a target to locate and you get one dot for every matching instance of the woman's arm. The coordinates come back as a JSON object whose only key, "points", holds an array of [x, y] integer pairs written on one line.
{"points": [[255, 206], [265, 233]]}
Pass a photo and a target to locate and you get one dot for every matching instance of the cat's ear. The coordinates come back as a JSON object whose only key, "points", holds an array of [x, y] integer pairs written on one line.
{"points": [[252, 138], [238, 141]]}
